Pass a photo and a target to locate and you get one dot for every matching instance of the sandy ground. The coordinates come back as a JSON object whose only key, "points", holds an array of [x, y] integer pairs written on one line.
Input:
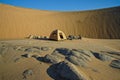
{"points": [[16, 22], [13, 64], [18, 57]]}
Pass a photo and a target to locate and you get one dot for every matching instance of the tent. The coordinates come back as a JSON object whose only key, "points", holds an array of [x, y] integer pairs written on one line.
{"points": [[57, 35]]}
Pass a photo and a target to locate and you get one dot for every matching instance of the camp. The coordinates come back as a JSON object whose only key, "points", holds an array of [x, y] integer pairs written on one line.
{"points": [[57, 35]]}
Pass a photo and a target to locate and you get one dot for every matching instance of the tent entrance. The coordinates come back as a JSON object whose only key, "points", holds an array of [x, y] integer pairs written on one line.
{"points": [[57, 35], [61, 36]]}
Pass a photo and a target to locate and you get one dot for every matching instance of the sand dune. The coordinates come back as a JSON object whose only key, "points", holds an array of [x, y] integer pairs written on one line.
{"points": [[18, 22], [85, 59]]}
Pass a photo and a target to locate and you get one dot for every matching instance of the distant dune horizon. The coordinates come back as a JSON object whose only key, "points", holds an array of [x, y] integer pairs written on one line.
{"points": [[18, 23]]}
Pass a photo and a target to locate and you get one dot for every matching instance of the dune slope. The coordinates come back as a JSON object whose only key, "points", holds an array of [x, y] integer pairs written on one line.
{"points": [[18, 22]]}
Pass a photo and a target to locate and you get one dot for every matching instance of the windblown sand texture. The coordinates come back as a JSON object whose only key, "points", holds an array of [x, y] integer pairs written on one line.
{"points": [[16, 22], [88, 59]]}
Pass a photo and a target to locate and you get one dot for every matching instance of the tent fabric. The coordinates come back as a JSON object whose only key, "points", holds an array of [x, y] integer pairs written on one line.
{"points": [[57, 35]]}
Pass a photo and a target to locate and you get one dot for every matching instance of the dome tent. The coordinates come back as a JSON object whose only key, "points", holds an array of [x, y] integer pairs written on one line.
{"points": [[57, 35]]}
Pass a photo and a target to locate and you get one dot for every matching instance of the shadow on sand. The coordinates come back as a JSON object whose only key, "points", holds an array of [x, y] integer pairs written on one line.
{"points": [[52, 72]]}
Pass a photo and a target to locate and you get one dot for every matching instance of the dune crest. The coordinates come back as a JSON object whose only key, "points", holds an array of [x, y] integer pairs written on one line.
{"points": [[18, 22]]}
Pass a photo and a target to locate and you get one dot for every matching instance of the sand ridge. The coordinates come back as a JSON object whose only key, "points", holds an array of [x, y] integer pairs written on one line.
{"points": [[16, 22]]}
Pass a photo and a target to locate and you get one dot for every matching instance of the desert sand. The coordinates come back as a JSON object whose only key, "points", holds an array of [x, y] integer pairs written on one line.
{"points": [[16, 22], [31, 59], [94, 57]]}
